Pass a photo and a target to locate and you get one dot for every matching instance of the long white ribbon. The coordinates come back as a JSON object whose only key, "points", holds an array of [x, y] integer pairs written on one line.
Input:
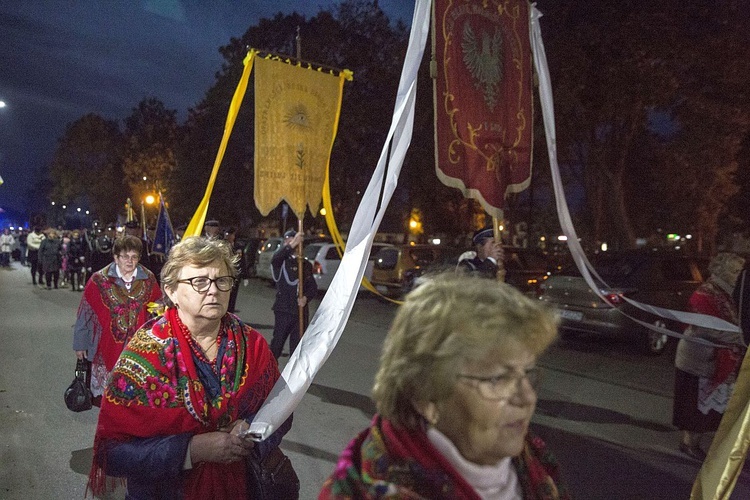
{"points": [[566, 223], [330, 319]]}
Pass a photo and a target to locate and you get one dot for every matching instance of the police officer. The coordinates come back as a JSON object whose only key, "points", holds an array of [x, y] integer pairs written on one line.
{"points": [[287, 304], [488, 254]]}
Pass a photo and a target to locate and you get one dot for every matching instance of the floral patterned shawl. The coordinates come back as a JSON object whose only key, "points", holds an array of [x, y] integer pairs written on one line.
{"points": [[154, 390], [389, 462], [117, 311]]}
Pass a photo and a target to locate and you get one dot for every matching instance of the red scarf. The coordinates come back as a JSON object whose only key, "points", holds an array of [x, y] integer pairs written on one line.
{"points": [[170, 399], [119, 311], [388, 461]]}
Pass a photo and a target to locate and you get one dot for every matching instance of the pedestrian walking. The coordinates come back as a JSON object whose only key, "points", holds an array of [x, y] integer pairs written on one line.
{"points": [[34, 241], [705, 375], [455, 393], [22, 235], [50, 258], [6, 246], [286, 307], [185, 388], [76, 261], [114, 305]]}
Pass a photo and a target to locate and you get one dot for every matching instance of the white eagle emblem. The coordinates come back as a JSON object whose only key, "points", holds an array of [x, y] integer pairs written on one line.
{"points": [[484, 62]]}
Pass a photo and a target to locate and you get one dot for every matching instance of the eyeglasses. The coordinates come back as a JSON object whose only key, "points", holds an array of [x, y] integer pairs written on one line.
{"points": [[133, 258], [505, 385], [201, 284]]}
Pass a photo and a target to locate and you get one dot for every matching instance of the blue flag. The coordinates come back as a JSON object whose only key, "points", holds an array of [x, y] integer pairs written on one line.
{"points": [[164, 235]]}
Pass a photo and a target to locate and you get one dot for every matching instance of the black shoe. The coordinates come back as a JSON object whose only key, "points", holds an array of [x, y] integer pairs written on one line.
{"points": [[694, 452]]}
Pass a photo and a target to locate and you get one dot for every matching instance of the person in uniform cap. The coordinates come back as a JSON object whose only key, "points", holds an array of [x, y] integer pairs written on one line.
{"points": [[286, 306], [488, 254], [211, 230]]}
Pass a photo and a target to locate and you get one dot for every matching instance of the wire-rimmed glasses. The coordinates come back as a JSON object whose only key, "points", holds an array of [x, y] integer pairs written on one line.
{"points": [[505, 385]]}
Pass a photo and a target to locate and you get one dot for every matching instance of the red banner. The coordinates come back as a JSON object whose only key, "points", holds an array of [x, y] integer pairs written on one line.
{"points": [[483, 98]]}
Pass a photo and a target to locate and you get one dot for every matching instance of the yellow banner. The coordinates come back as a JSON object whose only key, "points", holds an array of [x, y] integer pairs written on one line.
{"points": [[296, 116]]}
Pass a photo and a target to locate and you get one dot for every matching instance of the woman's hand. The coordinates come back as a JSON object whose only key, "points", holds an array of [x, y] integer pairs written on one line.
{"points": [[219, 446], [81, 354]]}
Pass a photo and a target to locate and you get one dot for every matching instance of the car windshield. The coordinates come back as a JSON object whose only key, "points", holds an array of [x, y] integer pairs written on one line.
{"points": [[311, 251]]}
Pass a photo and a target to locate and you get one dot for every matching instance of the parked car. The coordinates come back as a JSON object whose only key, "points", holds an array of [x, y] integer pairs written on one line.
{"points": [[265, 254], [325, 261], [391, 271], [663, 279], [266, 251], [250, 250]]}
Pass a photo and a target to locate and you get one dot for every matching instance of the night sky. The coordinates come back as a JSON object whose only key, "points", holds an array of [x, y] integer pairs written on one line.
{"points": [[63, 59]]}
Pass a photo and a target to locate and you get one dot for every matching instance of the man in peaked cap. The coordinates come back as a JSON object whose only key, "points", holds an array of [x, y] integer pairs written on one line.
{"points": [[287, 304], [488, 254]]}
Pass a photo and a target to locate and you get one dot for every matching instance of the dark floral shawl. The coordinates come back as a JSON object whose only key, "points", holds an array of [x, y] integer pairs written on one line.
{"points": [[388, 462]]}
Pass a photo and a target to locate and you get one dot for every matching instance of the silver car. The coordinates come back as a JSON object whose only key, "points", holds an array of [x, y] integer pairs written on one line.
{"points": [[663, 279], [325, 261]]}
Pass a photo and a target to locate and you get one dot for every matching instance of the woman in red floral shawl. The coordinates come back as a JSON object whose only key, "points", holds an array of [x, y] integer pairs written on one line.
{"points": [[184, 388], [455, 393], [113, 307]]}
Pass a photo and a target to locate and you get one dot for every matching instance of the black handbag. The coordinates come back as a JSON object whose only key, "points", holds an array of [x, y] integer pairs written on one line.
{"points": [[273, 478], [78, 394]]}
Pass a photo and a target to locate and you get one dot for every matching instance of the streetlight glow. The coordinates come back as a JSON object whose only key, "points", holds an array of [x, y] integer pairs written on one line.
{"points": [[2, 104]]}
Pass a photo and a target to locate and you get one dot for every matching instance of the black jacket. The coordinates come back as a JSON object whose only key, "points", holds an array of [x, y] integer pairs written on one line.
{"points": [[286, 275]]}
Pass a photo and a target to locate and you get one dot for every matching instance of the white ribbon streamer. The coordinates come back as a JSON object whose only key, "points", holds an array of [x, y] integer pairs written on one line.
{"points": [[329, 320], [566, 223]]}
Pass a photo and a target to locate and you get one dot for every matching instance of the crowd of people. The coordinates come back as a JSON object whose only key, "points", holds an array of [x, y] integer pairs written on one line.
{"points": [[178, 384]]}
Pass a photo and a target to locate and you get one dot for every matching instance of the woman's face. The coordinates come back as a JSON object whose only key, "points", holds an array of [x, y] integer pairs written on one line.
{"points": [[209, 305], [487, 430]]}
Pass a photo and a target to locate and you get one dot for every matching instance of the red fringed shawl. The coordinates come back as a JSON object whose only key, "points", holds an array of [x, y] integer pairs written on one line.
{"points": [[385, 461], [154, 390], [119, 312]]}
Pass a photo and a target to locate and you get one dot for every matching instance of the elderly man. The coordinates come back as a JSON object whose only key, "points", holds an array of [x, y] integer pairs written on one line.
{"points": [[488, 254]]}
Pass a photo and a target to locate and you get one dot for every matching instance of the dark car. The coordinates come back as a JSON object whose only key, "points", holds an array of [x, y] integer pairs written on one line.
{"points": [[663, 279]]}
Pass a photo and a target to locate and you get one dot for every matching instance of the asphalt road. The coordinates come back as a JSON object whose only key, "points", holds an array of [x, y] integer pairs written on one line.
{"points": [[604, 408]]}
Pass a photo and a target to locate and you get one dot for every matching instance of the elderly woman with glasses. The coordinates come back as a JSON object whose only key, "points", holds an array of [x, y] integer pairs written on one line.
{"points": [[455, 393], [114, 305], [180, 397]]}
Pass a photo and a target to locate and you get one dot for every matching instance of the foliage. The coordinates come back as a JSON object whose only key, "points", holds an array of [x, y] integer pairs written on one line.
{"points": [[87, 166], [151, 137]]}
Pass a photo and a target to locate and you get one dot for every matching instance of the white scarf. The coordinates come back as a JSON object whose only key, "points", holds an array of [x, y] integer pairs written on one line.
{"points": [[491, 482]]}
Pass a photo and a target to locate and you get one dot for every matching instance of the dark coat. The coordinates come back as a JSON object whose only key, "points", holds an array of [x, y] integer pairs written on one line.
{"points": [[286, 276], [50, 255]]}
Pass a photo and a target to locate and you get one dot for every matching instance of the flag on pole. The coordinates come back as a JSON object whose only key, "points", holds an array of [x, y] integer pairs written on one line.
{"points": [[483, 98], [296, 117], [164, 236], [130, 213]]}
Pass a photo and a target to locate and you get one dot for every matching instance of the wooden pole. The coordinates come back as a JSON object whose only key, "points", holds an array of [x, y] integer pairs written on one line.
{"points": [[498, 239], [301, 287], [300, 260]]}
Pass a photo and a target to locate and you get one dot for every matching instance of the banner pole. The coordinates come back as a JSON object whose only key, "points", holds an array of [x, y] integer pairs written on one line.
{"points": [[300, 277], [498, 240]]}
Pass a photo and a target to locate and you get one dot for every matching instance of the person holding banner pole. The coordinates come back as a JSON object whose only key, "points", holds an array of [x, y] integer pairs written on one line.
{"points": [[487, 262], [291, 307]]}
